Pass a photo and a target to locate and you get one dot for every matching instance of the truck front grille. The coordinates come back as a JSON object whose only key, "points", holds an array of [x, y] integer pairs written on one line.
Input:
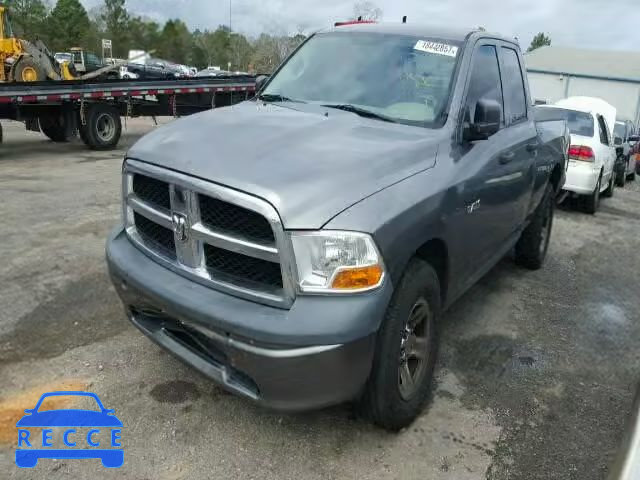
{"points": [[152, 191], [243, 267], [155, 236], [217, 236], [235, 220]]}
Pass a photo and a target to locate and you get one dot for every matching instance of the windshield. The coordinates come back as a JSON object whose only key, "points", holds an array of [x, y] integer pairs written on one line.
{"points": [[579, 123], [401, 78], [618, 130]]}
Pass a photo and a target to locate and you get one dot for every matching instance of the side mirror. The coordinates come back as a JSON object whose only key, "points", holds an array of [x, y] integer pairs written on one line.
{"points": [[260, 82], [617, 141], [486, 121]]}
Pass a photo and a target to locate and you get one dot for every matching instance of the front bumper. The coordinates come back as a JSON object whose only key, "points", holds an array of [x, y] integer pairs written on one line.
{"points": [[317, 353], [582, 177]]}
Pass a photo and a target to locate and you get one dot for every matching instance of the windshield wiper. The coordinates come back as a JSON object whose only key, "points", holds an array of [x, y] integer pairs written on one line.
{"points": [[276, 97], [363, 112]]}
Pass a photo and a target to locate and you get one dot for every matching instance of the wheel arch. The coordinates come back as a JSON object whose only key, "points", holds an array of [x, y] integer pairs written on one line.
{"points": [[556, 178], [436, 253]]}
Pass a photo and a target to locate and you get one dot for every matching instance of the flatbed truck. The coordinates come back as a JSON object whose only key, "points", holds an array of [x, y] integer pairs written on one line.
{"points": [[93, 109]]}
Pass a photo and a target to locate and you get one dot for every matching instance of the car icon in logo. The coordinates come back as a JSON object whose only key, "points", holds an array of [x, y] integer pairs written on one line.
{"points": [[28, 451]]}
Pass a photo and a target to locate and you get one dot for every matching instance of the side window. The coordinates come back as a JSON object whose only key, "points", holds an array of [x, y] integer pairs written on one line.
{"points": [[484, 81], [93, 59], [513, 85], [602, 128]]}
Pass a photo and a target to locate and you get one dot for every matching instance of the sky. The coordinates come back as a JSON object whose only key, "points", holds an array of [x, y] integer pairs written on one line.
{"points": [[595, 24]]}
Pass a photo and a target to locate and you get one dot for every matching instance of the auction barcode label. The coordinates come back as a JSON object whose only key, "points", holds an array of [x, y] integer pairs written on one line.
{"points": [[437, 48]]}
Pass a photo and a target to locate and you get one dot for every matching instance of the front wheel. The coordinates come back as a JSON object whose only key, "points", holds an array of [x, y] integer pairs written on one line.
{"points": [[531, 249], [406, 350]]}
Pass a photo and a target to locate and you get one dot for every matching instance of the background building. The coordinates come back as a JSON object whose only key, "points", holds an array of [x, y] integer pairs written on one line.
{"points": [[560, 72]]}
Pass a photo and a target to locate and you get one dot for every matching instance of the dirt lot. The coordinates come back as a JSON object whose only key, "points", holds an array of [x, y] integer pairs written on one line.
{"points": [[535, 379]]}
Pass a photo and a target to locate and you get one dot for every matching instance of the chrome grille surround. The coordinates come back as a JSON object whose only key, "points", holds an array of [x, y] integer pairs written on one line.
{"points": [[190, 258]]}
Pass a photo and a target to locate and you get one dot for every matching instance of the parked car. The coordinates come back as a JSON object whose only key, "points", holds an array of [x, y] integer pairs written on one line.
{"points": [[308, 261], [623, 132], [627, 462], [212, 72], [152, 69], [591, 154]]}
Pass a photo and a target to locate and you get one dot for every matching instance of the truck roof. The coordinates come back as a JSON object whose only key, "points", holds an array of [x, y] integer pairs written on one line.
{"points": [[417, 30]]}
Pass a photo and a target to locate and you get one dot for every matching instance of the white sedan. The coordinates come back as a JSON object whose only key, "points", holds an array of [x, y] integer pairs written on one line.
{"points": [[592, 154]]}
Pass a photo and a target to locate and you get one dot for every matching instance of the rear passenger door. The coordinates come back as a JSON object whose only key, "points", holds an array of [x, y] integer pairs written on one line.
{"points": [[525, 174]]}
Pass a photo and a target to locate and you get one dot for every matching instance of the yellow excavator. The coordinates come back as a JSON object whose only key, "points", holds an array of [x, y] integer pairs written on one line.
{"points": [[25, 61]]}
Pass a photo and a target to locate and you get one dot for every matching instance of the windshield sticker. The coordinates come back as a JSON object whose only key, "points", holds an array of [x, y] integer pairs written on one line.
{"points": [[437, 48]]}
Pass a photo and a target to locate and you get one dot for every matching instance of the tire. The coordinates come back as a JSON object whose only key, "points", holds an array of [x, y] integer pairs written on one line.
{"points": [[613, 180], [621, 177], [532, 246], [632, 176], [28, 70], [102, 127], [388, 400], [54, 128], [592, 202]]}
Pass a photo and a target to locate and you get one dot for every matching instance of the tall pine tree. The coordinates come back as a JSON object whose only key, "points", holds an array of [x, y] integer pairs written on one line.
{"points": [[68, 25]]}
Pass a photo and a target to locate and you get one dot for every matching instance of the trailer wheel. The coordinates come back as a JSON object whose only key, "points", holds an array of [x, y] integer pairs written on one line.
{"points": [[54, 128], [28, 70], [102, 127]]}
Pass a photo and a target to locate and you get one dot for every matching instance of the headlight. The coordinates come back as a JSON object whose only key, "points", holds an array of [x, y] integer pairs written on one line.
{"points": [[336, 261]]}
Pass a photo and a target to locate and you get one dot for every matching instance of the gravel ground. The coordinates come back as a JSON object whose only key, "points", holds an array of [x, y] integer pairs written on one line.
{"points": [[535, 379]]}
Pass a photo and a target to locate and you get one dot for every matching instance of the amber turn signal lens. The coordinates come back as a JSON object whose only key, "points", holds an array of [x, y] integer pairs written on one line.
{"points": [[357, 278]]}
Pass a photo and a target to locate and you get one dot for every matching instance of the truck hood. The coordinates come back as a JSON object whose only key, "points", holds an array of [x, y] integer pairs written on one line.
{"points": [[308, 165]]}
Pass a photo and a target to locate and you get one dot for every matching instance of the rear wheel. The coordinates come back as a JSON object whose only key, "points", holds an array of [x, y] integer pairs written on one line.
{"points": [[102, 127], [612, 183], [621, 176], [28, 70], [632, 176], [406, 349], [592, 202], [531, 249], [55, 129]]}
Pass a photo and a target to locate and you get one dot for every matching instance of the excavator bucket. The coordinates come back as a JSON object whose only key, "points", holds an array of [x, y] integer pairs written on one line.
{"points": [[39, 52]]}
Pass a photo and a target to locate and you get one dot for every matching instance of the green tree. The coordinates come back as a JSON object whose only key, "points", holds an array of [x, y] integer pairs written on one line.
{"points": [[540, 40], [28, 18], [68, 25], [175, 42], [240, 52], [116, 21], [143, 34], [212, 48]]}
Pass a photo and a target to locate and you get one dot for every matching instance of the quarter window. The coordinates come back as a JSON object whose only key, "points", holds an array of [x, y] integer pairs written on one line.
{"points": [[604, 134]]}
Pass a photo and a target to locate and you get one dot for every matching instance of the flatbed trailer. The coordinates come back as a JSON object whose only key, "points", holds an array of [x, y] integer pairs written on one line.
{"points": [[94, 109]]}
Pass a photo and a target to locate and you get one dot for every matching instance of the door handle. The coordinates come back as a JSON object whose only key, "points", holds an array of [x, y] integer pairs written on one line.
{"points": [[532, 147], [506, 157]]}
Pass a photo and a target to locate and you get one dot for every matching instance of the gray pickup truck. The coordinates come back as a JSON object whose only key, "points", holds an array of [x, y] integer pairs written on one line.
{"points": [[299, 248]]}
